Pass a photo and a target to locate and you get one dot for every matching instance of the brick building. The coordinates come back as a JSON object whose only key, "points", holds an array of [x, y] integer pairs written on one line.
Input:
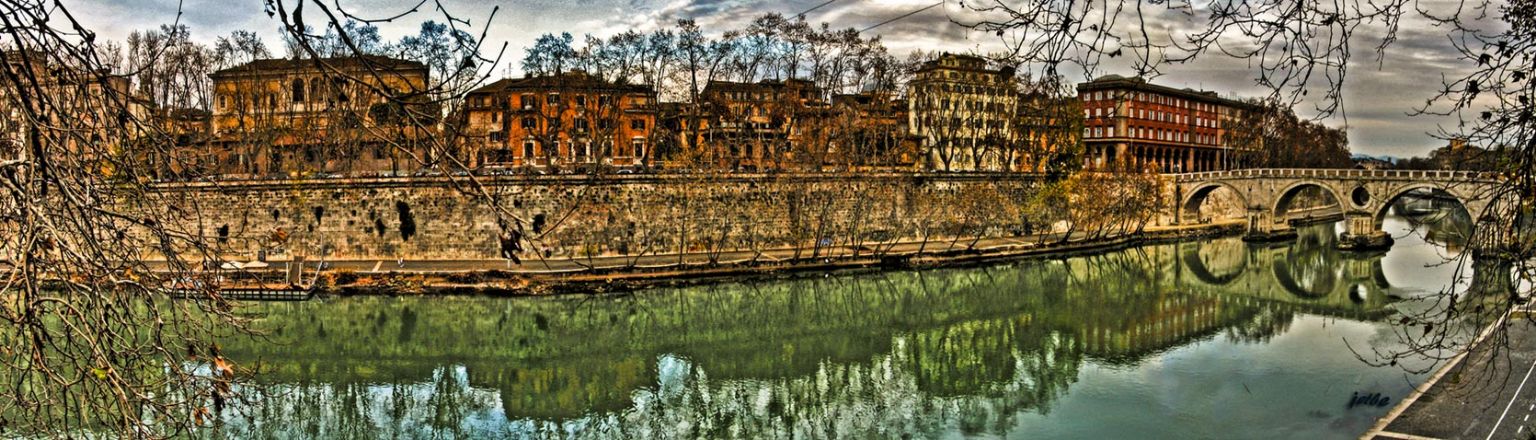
{"points": [[569, 119], [1131, 122], [355, 115]]}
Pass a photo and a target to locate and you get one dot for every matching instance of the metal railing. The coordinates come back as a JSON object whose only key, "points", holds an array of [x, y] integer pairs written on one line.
{"points": [[1338, 173]]}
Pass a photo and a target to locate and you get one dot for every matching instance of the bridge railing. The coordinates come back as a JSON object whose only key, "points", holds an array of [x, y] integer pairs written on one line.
{"points": [[1338, 173]]}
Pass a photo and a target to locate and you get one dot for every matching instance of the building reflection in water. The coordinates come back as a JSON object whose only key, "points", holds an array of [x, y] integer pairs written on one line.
{"points": [[902, 352]]}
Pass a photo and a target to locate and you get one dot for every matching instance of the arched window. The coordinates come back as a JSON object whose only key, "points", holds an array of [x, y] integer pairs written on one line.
{"points": [[298, 90], [338, 89], [314, 89]]}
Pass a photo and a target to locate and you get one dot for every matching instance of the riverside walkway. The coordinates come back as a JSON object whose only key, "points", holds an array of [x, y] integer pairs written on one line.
{"points": [[1485, 394]]}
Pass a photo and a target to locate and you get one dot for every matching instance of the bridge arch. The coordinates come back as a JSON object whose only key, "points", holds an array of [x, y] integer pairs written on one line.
{"points": [[1395, 193], [1308, 267], [1284, 197], [1204, 273], [1319, 284], [1196, 197]]}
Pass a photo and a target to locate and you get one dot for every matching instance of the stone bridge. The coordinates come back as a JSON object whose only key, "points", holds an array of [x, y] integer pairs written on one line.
{"points": [[1363, 197]]}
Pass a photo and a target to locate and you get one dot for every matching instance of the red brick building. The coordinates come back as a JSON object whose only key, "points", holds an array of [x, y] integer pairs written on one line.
{"points": [[1130, 122], [569, 119]]}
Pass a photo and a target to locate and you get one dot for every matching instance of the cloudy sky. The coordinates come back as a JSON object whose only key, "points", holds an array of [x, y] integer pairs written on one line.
{"points": [[1377, 97]]}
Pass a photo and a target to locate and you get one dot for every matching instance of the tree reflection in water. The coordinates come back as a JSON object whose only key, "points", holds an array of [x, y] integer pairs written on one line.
{"points": [[900, 353]]}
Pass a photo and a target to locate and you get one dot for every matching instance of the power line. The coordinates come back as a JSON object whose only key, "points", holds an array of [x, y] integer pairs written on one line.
{"points": [[909, 14], [807, 11]]}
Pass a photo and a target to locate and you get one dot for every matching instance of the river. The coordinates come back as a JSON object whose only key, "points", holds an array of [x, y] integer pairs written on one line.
{"points": [[1214, 339]]}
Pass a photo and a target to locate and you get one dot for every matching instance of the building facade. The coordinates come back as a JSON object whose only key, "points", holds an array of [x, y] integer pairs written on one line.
{"points": [[874, 131], [761, 125], [355, 115], [1129, 122], [963, 113], [570, 119], [66, 111]]}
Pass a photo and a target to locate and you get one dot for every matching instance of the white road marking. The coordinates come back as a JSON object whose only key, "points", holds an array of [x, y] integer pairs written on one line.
{"points": [[1512, 401]]}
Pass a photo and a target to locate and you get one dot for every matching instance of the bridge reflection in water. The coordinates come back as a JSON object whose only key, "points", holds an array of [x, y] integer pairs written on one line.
{"points": [[915, 353]]}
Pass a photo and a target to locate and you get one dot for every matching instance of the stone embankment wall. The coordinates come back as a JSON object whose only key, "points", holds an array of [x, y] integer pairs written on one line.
{"points": [[451, 218]]}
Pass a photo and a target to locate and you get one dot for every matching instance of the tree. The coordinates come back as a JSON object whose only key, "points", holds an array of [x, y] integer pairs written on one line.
{"points": [[239, 47], [550, 55], [1301, 52], [92, 344], [1284, 140]]}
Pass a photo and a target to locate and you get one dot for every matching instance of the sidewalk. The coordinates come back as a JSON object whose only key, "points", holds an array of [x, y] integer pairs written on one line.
{"points": [[937, 248], [1485, 394]]}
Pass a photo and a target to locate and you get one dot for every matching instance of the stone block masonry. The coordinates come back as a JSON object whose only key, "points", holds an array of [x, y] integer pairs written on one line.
{"points": [[574, 217]]}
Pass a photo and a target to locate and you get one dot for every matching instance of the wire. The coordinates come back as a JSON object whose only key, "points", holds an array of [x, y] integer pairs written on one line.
{"points": [[807, 11], [909, 14]]}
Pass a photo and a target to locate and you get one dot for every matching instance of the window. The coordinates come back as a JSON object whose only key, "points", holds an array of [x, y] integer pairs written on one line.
{"points": [[298, 90], [338, 86], [495, 116], [528, 148], [223, 102], [638, 145], [581, 100], [528, 102], [1111, 131], [604, 100], [579, 124], [529, 123], [636, 124], [553, 99], [554, 148]]}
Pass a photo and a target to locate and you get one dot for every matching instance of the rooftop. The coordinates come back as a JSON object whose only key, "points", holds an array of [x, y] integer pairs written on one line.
{"points": [[574, 79], [291, 64], [1117, 82]]}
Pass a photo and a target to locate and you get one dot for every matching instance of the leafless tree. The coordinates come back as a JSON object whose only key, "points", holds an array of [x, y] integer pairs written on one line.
{"points": [[1301, 53]]}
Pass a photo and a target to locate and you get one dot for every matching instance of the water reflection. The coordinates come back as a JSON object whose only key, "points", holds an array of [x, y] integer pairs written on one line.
{"points": [[995, 350]]}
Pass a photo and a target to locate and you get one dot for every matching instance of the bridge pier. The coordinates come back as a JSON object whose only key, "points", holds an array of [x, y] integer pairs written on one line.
{"points": [[1361, 234], [1492, 240], [1262, 227], [1493, 277]]}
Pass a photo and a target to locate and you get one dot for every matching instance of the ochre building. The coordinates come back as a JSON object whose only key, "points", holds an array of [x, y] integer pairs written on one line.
{"points": [[354, 115], [963, 112], [761, 125]]}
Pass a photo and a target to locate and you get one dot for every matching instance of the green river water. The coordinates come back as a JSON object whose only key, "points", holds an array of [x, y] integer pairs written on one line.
{"points": [[1213, 339]]}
